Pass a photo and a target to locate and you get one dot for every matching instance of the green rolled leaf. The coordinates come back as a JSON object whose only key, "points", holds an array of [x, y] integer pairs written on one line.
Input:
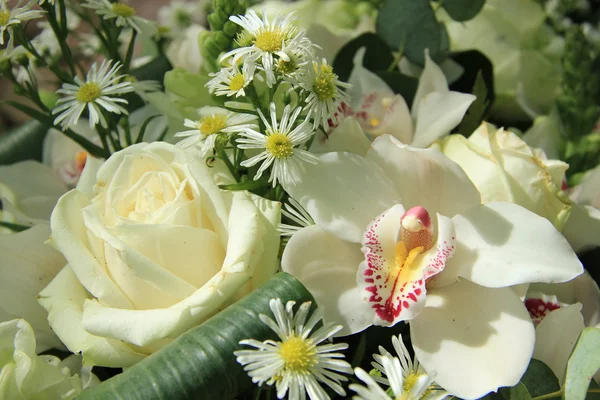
{"points": [[411, 26], [200, 364], [378, 55], [583, 364], [23, 143], [463, 10]]}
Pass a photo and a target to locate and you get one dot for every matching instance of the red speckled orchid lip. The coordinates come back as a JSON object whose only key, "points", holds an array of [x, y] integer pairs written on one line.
{"points": [[401, 254], [539, 305]]}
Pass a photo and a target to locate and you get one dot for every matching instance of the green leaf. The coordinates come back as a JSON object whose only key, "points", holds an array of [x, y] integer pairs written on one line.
{"points": [[154, 70], [411, 26], [463, 10], [23, 143], [583, 364], [248, 185], [378, 55], [477, 110], [518, 392], [200, 363], [539, 379], [14, 227]]}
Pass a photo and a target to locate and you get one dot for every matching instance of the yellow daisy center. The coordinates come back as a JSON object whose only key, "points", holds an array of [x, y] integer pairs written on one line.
{"points": [[88, 92], [237, 83], [123, 10], [279, 145], [286, 67], [212, 124], [324, 83], [298, 354], [269, 41], [4, 17]]}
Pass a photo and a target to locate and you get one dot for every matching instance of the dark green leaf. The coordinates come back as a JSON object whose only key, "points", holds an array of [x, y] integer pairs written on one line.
{"points": [[583, 364], [378, 55], [411, 26], [400, 84], [474, 63], [155, 70], [518, 392], [14, 227], [539, 379], [476, 112], [200, 364], [463, 10], [23, 143]]}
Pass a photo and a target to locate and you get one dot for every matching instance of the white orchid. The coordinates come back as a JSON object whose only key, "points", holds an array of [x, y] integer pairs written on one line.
{"points": [[435, 110], [451, 279]]}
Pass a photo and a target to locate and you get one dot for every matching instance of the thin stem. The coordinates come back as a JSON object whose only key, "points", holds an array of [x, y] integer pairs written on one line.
{"points": [[91, 148], [552, 395], [129, 52], [223, 156]]}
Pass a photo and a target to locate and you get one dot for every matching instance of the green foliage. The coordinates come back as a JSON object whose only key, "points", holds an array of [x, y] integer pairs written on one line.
{"points": [[518, 392], [583, 364], [476, 112], [539, 379], [23, 143], [200, 363], [463, 10], [410, 26]]}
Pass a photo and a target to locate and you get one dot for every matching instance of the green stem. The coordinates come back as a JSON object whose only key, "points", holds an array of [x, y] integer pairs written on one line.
{"points": [[223, 156], [129, 52], [90, 147], [552, 395]]}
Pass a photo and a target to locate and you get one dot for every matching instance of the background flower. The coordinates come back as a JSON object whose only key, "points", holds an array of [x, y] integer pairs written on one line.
{"points": [[153, 248]]}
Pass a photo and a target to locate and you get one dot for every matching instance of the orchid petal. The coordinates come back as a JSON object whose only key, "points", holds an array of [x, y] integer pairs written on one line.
{"points": [[327, 266], [471, 325], [437, 114], [424, 177], [343, 193], [347, 136], [556, 336], [503, 244], [431, 80]]}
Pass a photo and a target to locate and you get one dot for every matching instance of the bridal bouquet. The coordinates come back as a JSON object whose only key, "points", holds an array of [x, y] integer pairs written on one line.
{"points": [[368, 199]]}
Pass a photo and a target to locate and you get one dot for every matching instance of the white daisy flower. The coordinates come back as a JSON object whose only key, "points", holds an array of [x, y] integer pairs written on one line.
{"points": [[298, 362], [16, 15], [95, 94], [230, 81], [325, 92], [280, 143], [406, 379], [295, 212], [269, 39], [213, 120], [124, 14]]}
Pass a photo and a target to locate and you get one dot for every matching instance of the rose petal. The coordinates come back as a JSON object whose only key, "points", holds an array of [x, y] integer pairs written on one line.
{"points": [[462, 328], [582, 228], [327, 267]]}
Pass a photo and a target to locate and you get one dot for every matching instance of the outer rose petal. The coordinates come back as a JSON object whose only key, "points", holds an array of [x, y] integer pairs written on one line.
{"points": [[327, 266], [424, 177], [343, 193], [27, 265], [63, 298], [398, 295], [556, 336], [582, 228], [462, 328], [503, 244]]}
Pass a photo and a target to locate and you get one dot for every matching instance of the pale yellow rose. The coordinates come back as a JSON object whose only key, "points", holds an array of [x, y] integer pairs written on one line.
{"points": [[154, 248], [504, 168], [26, 376]]}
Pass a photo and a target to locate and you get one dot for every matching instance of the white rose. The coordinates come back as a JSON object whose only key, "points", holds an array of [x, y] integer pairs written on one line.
{"points": [[504, 168], [25, 375], [154, 248], [28, 192], [184, 52]]}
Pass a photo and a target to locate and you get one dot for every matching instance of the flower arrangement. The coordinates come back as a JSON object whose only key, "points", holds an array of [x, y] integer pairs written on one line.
{"points": [[376, 199]]}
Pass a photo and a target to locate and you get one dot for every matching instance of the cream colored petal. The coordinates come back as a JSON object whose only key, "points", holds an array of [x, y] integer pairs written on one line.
{"points": [[348, 136], [432, 80], [582, 228]]}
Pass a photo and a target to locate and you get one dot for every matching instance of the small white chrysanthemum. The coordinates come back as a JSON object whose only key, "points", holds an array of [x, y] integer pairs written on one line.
{"points": [[406, 379], [16, 15], [123, 13], [280, 143], [298, 362], [178, 15], [295, 212], [213, 120], [325, 92], [230, 81], [95, 94], [268, 41]]}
